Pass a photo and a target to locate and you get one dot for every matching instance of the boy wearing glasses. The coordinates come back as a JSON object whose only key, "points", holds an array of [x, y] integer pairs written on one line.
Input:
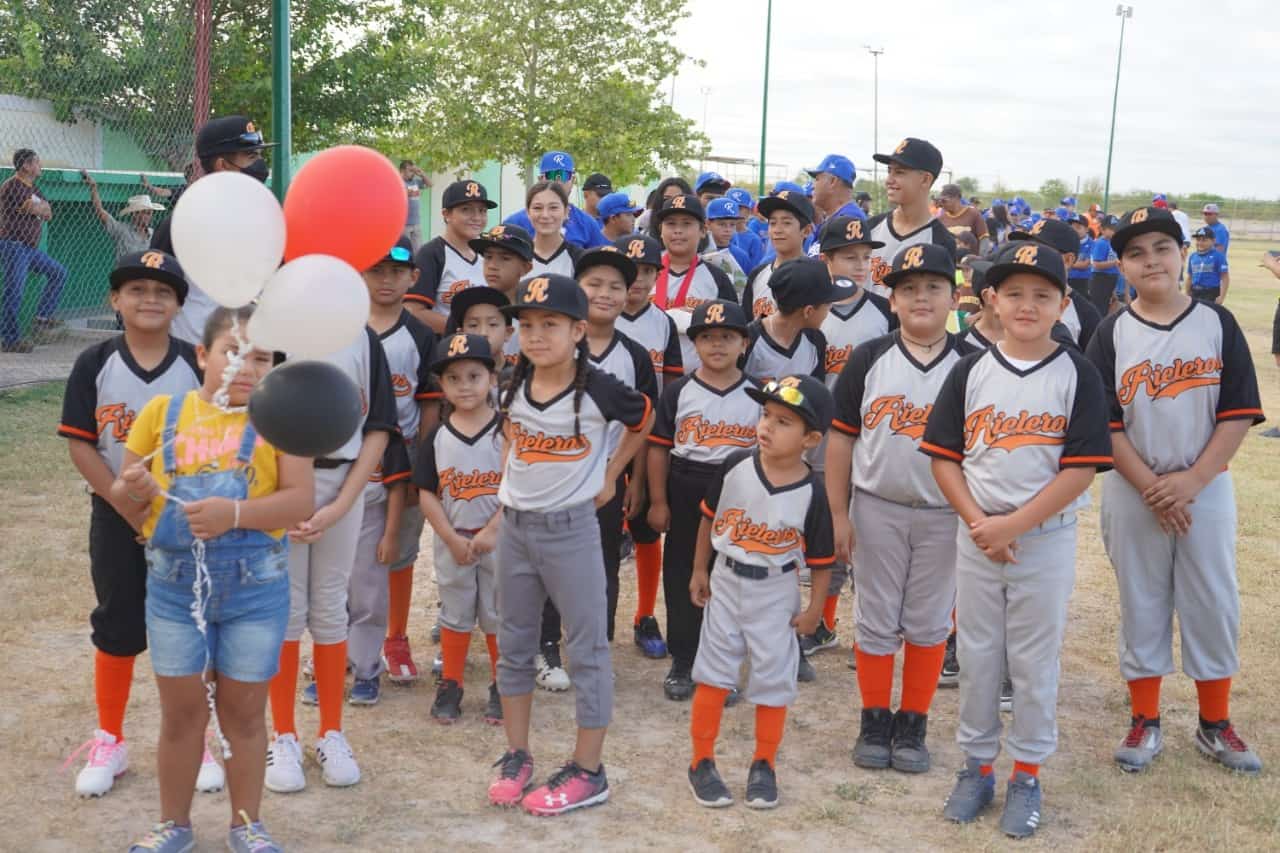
{"points": [[580, 228]]}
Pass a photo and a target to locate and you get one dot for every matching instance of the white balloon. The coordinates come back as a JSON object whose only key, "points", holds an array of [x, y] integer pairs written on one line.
{"points": [[228, 233], [314, 305]]}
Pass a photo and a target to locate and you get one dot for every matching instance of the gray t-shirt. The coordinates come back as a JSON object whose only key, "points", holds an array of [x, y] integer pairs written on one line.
{"points": [[413, 188], [127, 238]]}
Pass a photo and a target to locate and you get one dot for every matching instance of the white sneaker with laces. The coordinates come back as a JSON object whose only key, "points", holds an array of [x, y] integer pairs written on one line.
{"points": [[337, 760], [212, 777], [284, 765], [108, 759], [550, 677]]}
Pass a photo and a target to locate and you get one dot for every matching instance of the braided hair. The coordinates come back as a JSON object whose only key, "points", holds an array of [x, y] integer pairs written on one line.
{"points": [[524, 368]]}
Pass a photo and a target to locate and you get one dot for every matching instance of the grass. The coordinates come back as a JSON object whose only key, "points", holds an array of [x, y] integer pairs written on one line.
{"points": [[424, 784]]}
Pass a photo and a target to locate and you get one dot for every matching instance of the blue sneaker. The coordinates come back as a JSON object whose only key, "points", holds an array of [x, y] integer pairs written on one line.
{"points": [[1021, 816], [166, 837], [649, 638], [365, 691], [309, 695], [973, 793]]}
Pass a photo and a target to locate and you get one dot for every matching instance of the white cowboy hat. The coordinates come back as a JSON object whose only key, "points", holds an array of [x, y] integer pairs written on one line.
{"points": [[139, 202]]}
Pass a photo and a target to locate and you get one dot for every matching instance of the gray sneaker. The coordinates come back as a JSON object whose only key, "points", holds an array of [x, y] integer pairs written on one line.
{"points": [[1220, 742], [1006, 694], [251, 838], [973, 793], [165, 837], [873, 746], [804, 670], [1140, 746], [1274, 432], [762, 786], [910, 754], [708, 788], [1021, 815]]}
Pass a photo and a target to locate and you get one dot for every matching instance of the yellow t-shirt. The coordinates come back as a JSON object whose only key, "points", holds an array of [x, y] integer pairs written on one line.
{"points": [[207, 439]]}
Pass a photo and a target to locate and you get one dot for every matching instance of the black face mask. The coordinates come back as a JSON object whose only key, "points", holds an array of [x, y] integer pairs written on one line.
{"points": [[258, 170]]}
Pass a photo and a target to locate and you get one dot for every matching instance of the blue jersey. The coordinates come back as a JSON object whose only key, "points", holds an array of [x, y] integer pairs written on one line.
{"points": [[1206, 269], [1086, 253], [1223, 238], [1100, 253], [750, 245], [758, 227], [581, 228]]}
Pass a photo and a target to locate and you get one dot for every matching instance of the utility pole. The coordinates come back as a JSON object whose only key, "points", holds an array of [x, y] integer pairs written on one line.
{"points": [[1124, 13], [764, 100], [875, 118], [281, 97]]}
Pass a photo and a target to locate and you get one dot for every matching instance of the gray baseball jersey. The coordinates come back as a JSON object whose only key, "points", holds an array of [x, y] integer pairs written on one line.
{"points": [[562, 261], [704, 424], [408, 345], [850, 324], [443, 272], [107, 388], [766, 359], [365, 363], [550, 466], [700, 283], [757, 297], [653, 329], [881, 229], [464, 471]]}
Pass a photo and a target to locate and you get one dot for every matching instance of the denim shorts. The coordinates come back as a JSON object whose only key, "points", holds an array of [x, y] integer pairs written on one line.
{"points": [[246, 612]]}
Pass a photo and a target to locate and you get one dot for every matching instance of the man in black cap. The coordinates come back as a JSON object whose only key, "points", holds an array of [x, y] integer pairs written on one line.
{"points": [[227, 144], [596, 187], [864, 201], [913, 167]]}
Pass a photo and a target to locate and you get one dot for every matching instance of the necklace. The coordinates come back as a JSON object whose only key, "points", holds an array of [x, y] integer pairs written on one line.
{"points": [[927, 347]]}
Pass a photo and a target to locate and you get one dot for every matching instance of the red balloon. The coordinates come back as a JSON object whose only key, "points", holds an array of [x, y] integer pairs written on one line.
{"points": [[348, 202]]}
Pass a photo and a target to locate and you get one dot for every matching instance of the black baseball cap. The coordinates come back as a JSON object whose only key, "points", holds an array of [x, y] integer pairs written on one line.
{"points": [[979, 281], [461, 347], [606, 256], [598, 183], [1204, 231], [400, 253], [470, 297], [862, 196], [717, 314], [804, 395], [1109, 220], [641, 248], [921, 258], [153, 264], [804, 281], [229, 135], [1054, 233], [1027, 256], [461, 192], [689, 204], [1145, 220], [841, 231], [551, 292], [913, 153], [511, 238], [797, 203]]}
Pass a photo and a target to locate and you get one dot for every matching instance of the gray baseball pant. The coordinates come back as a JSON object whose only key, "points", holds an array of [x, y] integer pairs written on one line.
{"points": [[368, 592], [319, 572]]}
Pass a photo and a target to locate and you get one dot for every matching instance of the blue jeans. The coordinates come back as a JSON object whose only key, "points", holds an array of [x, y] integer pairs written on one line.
{"points": [[18, 260]]}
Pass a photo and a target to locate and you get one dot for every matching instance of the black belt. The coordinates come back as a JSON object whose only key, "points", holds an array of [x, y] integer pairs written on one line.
{"points": [[693, 466], [750, 571], [330, 464]]}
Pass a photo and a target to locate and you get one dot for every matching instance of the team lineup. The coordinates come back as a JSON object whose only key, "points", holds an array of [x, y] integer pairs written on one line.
{"points": [[775, 403]]}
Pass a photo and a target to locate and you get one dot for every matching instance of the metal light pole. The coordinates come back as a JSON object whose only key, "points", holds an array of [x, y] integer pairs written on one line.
{"points": [[1123, 13], [281, 96], [764, 100], [875, 132]]}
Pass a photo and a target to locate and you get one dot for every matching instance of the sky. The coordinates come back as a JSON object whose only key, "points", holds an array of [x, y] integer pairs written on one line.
{"points": [[1006, 93]]}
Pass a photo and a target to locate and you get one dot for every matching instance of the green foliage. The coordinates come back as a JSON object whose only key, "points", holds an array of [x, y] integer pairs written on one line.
{"points": [[969, 186], [1053, 191]]}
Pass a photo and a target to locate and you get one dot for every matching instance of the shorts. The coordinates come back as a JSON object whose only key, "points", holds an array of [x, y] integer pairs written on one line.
{"points": [[246, 612], [1275, 332], [118, 568]]}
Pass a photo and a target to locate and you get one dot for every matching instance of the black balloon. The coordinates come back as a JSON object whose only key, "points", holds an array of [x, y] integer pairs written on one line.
{"points": [[306, 408]]}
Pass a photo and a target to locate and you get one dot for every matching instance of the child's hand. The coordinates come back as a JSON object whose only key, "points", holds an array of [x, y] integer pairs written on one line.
{"points": [[1173, 490], [311, 529], [807, 622], [659, 517], [210, 517], [140, 486], [483, 543], [388, 546], [633, 498], [993, 533], [1175, 521], [607, 493], [700, 588], [844, 535], [1007, 554], [459, 549]]}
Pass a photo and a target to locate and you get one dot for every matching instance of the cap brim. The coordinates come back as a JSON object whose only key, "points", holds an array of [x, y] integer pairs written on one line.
{"points": [[489, 203], [769, 204], [892, 278], [439, 366], [480, 244], [122, 274], [999, 272], [617, 260], [875, 244], [760, 397], [513, 311], [1163, 226], [693, 331], [663, 213]]}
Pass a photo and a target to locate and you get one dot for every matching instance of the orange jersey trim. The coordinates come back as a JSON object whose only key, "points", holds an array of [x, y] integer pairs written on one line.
{"points": [[706, 510], [73, 432], [847, 429], [936, 450], [648, 410], [429, 395], [674, 371], [820, 562], [418, 297], [1235, 414], [660, 441], [1081, 461], [403, 475]]}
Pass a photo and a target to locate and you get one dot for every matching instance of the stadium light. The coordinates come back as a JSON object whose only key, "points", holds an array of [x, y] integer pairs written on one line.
{"points": [[1124, 13], [764, 101], [875, 116]]}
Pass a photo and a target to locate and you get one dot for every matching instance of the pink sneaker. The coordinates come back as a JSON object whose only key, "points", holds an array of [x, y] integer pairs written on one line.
{"points": [[515, 770], [569, 788], [108, 759], [399, 662]]}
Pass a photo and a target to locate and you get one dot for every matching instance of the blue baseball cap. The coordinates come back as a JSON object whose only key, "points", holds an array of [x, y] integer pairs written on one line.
{"points": [[742, 197], [835, 164], [808, 189], [787, 186], [723, 208], [615, 203], [1159, 197], [997, 202], [1062, 213], [1069, 201], [553, 160], [1027, 224], [711, 178]]}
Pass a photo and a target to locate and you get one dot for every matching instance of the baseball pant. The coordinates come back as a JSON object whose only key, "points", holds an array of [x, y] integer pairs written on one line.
{"points": [[1158, 574], [840, 572], [1081, 286], [1019, 609], [118, 568], [687, 484], [609, 518], [411, 526], [468, 594], [905, 571], [319, 572], [368, 591], [1101, 290], [1206, 294], [747, 619], [555, 555]]}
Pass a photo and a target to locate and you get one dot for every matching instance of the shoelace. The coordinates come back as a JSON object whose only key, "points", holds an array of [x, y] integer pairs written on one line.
{"points": [[100, 752], [254, 834], [159, 835], [510, 763], [1233, 740], [562, 776], [335, 743], [1136, 733]]}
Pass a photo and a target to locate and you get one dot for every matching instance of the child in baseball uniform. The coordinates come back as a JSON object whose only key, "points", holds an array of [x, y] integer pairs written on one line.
{"points": [[109, 384], [459, 467], [558, 412], [507, 251], [701, 419], [1027, 421], [1080, 317], [789, 340], [790, 217], [447, 265], [478, 311], [902, 539], [1183, 393], [764, 515]]}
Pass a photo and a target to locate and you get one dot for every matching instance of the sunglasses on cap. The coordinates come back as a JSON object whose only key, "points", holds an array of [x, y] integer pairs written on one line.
{"points": [[558, 175], [789, 394], [401, 254], [254, 138]]}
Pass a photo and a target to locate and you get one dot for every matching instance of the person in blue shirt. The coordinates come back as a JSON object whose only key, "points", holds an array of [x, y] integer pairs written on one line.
{"points": [[747, 240], [832, 195], [722, 223], [1221, 234], [710, 186], [1080, 272], [580, 227], [1069, 202], [1207, 275], [1105, 267], [618, 215]]}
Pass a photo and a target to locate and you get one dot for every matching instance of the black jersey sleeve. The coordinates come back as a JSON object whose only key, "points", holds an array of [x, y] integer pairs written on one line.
{"points": [[882, 305], [819, 341], [425, 474], [646, 378], [1101, 352], [672, 357], [616, 401], [1238, 397], [396, 466], [753, 336], [1088, 439], [1060, 334], [724, 285], [664, 421], [1089, 319], [430, 262], [80, 400], [819, 537], [382, 399], [424, 339], [944, 433]]}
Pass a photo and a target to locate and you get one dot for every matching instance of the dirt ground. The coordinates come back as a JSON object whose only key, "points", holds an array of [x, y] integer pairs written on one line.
{"points": [[424, 784]]}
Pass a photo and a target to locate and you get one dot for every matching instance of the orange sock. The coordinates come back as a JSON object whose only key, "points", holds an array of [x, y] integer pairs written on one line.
{"points": [[704, 721], [331, 678], [283, 690], [829, 608], [1215, 699], [1144, 697], [491, 640], [921, 666], [875, 679], [1032, 770], [453, 653], [770, 721], [112, 679], [400, 587], [648, 577]]}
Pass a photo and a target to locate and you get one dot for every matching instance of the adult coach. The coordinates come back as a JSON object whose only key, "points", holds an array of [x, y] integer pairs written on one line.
{"points": [[1210, 214], [23, 213], [958, 217], [832, 195], [913, 167], [227, 144], [580, 227]]}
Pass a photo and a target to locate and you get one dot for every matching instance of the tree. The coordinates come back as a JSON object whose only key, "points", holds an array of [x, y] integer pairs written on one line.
{"points": [[968, 186], [1053, 191]]}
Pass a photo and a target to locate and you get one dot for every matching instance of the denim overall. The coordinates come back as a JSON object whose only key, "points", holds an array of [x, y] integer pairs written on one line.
{"points": [[246, 594]]}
